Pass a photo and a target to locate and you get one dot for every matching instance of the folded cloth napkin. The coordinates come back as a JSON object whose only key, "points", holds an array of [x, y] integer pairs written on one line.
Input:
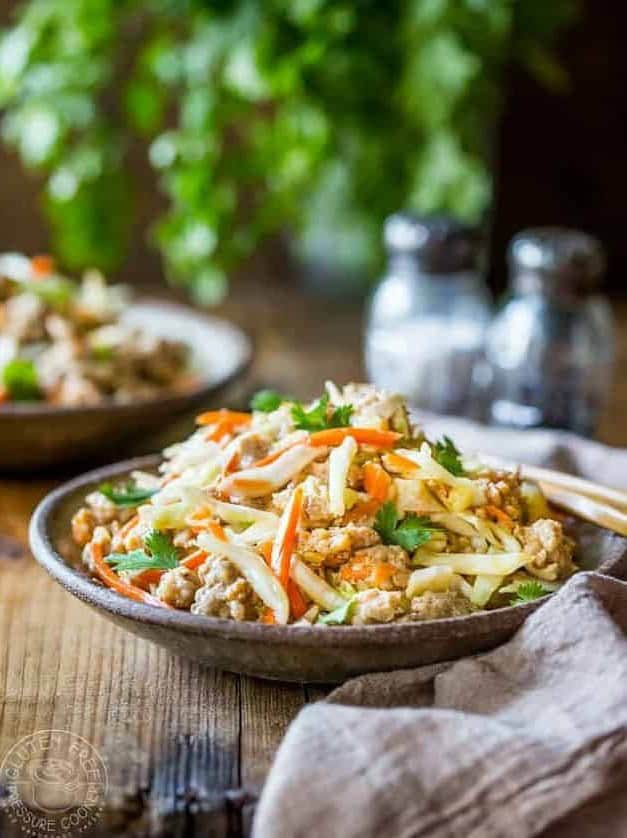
{"points": [[528, 739]]}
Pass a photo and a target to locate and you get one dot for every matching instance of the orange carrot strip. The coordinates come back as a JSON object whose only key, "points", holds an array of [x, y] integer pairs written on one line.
{"points": [[261, 486], [221, 429], [298, 606], [365, 436], [383, 572], [268, 617], [147, 577], [42, 265], [286, 541], [501, 517], [363, 510], [195, 560], [231, 417], [266, 551], [232, 464], [216, 530], [377, 481], [270, 458], [4, 395], [113, 581], [354, 572], [126, 528]]}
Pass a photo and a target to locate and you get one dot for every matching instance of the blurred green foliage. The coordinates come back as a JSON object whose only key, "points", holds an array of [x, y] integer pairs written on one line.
{"points": [[317, 116]]}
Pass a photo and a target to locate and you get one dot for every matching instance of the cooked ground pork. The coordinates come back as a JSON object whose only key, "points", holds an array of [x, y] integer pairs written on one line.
{"points": [[551, 549], [334, 546], [224, 592], [435, 605], [373, 606], [178, 587]]}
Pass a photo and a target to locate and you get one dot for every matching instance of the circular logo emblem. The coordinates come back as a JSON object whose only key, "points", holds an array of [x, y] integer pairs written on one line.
{"points": [[53, 783]]}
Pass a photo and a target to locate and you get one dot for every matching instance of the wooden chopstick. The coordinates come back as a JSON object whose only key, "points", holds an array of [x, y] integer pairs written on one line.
{"points": [[602, 514]]}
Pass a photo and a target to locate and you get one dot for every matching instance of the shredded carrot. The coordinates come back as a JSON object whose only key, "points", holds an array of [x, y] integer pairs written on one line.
{"points": [[298, 606], [365, 436], [268, 617], [377, 481], [355, 571], [252, 485], [397, 463], [219, 431], [266, 551], [147, 577], [4, 395], [216, 530], [232, 464], [230, 417], [195, 560], [42, 265], [286, 542], [365, 509], [501, 517], [383, 572], [107, 575]]}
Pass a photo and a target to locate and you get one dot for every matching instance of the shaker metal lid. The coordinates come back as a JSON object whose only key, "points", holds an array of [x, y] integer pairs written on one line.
{"points": [[559, 255], [439, 243]]}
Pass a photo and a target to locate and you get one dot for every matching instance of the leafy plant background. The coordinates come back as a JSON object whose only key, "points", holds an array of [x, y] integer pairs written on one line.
{"points": [[316, 116]]}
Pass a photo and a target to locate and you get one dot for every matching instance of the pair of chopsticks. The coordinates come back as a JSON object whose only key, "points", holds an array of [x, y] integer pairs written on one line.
{"points": [[598, 504]]}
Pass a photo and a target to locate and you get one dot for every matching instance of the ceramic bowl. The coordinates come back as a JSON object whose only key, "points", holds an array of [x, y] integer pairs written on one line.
{"points": [[290, 653], [40, 435]]}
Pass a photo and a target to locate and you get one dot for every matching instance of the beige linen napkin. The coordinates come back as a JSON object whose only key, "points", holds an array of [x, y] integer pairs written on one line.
{"points": [[528, 739]]}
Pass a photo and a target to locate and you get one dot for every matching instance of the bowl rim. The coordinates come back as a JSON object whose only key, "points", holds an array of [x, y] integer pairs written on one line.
{"points": [[169, 398], [94, 593]]}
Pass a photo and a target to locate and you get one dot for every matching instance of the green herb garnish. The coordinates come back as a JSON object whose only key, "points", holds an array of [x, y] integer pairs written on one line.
{"points": [[446, 454], [127, 496], [318, 418], [340, 616], [19, 378], [267, 400], [409, 533], [163, 555], [528, 591], [55, 291]]}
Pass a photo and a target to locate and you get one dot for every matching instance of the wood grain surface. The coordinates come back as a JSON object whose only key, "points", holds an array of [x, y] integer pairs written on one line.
{"points": [[186, 748]]}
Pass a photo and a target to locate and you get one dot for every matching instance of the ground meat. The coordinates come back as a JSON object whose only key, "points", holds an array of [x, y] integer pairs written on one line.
{"points": [[502, 489], [178, 587], [375, 606], [435, 606], [224, 592], [371, 406], [386, 567], [24, 318], [551, 549], [250, 448], [104, 511], [83, 523], [334, 546]]}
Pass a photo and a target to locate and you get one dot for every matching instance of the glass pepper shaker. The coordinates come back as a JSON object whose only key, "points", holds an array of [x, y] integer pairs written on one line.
{"points": [[427, 317], [550, 348]]}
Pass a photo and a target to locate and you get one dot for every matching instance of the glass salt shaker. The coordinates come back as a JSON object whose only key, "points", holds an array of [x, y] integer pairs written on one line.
{"points": [[427, 318], [550, 348]]}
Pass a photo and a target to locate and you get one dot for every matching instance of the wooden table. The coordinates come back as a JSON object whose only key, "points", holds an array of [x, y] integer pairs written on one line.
{"points": [[186, 748]]}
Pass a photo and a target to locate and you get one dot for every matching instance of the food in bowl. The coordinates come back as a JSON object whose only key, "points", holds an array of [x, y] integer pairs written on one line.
{"points": [[339, 512], [63, 342]]}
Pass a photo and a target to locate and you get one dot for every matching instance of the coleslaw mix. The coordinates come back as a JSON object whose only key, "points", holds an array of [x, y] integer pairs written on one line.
{"points": [[334, 513]]}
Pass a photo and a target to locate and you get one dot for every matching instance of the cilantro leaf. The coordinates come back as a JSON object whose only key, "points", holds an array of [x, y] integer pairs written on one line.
{"points": [[267, 400], [446, 454], [528, 591], [127, 496], [19, 378], [163, 555], [340, 616], [317, 419], [412, 532]]}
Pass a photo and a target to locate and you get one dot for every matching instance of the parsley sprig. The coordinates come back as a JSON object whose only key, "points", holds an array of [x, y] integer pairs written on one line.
{"points": [[127, 496], [267, 401], [19, 378], [161, 555], [409, 533], [528, 591], [447, 455], [318, 418]]}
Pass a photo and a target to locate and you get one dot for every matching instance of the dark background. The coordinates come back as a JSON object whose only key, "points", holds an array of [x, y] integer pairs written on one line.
{"points": [[562, 157]]}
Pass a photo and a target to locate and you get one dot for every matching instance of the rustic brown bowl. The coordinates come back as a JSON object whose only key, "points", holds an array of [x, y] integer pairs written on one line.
{"points": [[290, 653], [41, 436]]}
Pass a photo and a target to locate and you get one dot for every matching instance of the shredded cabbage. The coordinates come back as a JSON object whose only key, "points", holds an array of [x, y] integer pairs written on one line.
{"points": [[315, 587], [256, 482], [414, 496], [255, 570], [464, 492], [436, 578], [340, 460], [476, 564], [483, 589]]}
